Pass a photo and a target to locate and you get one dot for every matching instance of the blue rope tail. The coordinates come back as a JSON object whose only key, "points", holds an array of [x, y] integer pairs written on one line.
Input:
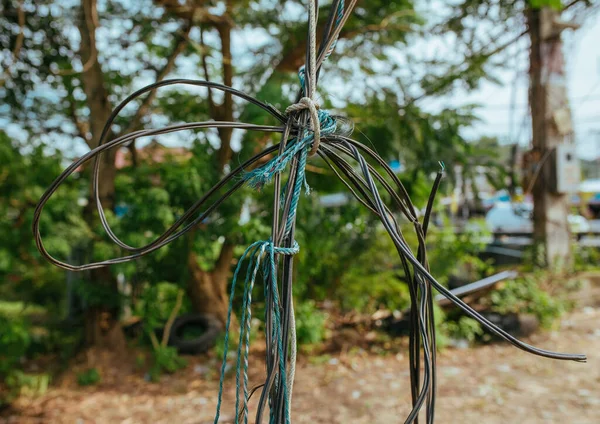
{"points": [[258, 178], [245, 328], [247, 252], [255, 252], [263, 175]]}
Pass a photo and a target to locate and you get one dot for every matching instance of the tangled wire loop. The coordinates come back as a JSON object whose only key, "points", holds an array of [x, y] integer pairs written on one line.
{"points": [[305, 131]]}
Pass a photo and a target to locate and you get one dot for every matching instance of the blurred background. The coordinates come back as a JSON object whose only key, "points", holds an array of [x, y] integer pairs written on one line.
{"points": [[505, 93]]}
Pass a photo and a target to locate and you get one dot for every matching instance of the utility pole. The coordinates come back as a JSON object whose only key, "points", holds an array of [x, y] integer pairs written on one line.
{"points": [[552, 132]]}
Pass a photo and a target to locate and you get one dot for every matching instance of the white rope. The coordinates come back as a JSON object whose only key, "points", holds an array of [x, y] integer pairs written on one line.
{"points": [[293, 354], [308, 103]]}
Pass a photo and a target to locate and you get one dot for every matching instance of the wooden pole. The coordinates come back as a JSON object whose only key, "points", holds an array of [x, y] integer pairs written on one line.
{"points": [[551, 127]]}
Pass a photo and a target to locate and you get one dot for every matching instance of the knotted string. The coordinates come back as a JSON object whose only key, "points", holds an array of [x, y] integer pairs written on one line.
{"points": [[255, 252], [261, 176]]}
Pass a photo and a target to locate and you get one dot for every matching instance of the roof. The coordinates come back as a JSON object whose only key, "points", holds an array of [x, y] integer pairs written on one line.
{"points": [[153, 152]]}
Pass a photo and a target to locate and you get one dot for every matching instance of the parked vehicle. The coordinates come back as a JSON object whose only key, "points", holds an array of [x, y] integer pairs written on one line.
{"points": [[590, 194], [507, 217]]}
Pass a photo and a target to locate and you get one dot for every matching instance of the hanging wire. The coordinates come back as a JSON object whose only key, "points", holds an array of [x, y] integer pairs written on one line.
{"points": [[305, 129]]}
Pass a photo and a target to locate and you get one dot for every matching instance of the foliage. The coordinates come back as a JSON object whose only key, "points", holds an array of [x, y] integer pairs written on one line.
{"points": [[585, 258], [88, 377], [156, 303], [310, 323], [372, 280], [463, 328], [525, 295], [19, 309], [14, 342], [453, 254], [18, 382], [24, 275], [554, 4], [165, 359]]}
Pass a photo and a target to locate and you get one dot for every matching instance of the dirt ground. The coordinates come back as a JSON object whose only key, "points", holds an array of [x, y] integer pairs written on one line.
{"points": [[488, 384]]}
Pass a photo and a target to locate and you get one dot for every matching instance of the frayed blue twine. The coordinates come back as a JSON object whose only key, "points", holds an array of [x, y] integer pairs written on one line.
{"points": [[261, 176], [256, 251]]}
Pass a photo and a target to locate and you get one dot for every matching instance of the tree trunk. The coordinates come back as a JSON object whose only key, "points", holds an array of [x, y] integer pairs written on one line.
{"points": [[102, 328], [547, 95], [208, 289]]}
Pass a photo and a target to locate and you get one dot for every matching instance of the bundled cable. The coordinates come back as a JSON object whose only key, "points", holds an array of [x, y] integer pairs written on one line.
{"points": [[305, 130]]}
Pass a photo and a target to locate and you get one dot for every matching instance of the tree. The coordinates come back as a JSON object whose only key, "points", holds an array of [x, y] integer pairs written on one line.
{"points": [[25, 276], [90, 56], [83, 83]]}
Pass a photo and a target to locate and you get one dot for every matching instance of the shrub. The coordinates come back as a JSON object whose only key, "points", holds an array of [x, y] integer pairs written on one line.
{"points": [[166, 359], [525, 295], [464, 328], [585, 258], [88, 377], [14, 342], [310, 323]]}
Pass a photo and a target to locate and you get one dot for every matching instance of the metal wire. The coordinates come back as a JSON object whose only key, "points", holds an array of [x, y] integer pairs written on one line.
{"points": [[360, 169]]}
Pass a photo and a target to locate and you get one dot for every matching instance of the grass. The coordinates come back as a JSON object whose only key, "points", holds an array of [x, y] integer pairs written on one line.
{"points": [[16, 309]]}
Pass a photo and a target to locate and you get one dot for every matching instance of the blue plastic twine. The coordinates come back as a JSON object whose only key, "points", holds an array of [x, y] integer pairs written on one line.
{"points": [[263, 175], [257, 179], [255, 252]]}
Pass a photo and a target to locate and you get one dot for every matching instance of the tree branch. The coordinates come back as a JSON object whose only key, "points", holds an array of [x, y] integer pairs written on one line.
{"points": [[225, 111], [225, 256], [21, 35], [172, 316], [82, 127], [178, 47], [18, 43], [469, 66], [90, 17], [211, 103], [92, 76], [194, 11]]}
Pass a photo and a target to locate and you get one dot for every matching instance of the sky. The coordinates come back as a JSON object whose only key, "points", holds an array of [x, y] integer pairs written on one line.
{"points": [[582, 56], [504, 111]]}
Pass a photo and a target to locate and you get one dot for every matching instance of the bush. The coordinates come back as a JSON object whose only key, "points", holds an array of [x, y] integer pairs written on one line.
{"points": [[373, 279], [14, 342], [156, 304], [585, 258], [464, 328], [455, 254], [88, 377], [310, 323], [166, 359], [18, 382], [525, 295]]}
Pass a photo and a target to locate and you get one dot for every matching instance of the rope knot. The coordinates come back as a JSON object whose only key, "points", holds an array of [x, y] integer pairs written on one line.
{"points": [[284, 250], [322, 123], [308, 103]]}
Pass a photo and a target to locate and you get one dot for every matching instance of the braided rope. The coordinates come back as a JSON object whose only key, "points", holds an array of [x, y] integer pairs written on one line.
{"points": [[312, 107], [255, 252]]}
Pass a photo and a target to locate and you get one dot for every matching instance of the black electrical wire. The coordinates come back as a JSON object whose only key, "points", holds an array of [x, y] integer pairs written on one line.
{"points": [[360, 169]]}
